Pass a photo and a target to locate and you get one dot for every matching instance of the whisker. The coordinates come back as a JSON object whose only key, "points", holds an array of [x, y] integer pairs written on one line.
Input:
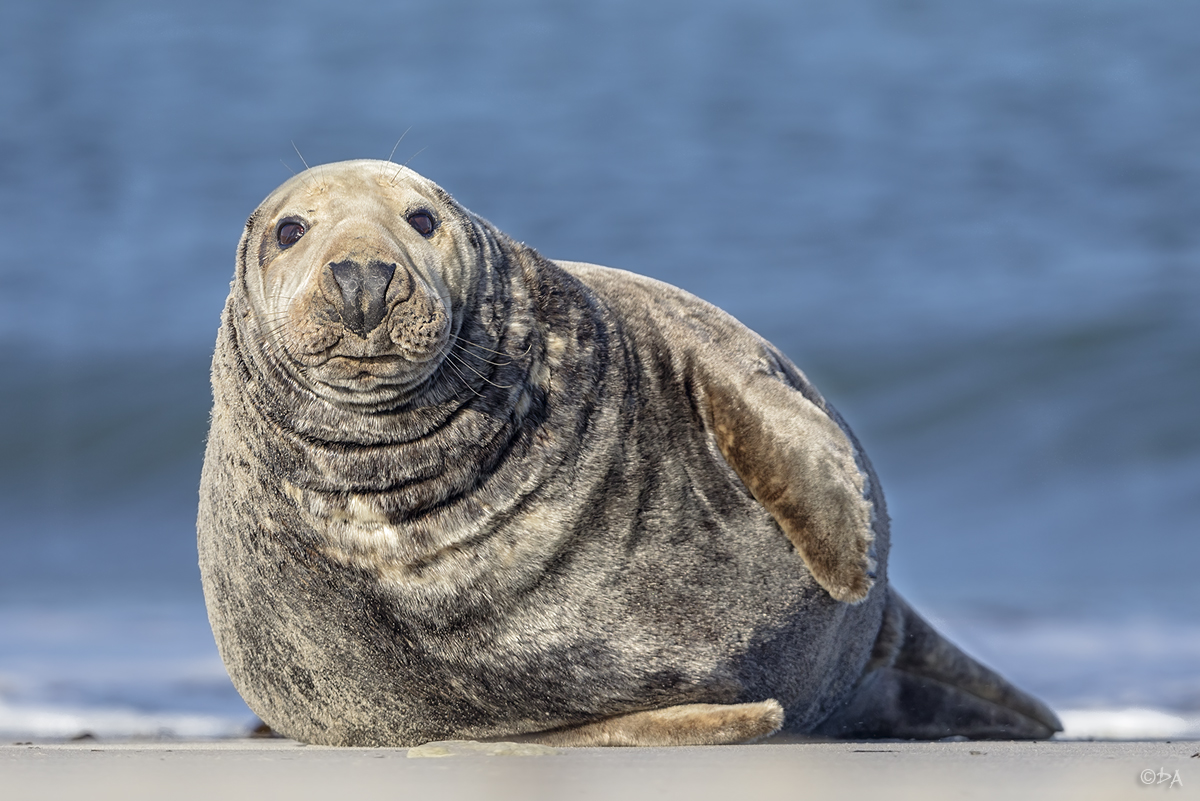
{"points": [[398, 141], [298, 153], [405, 164], [320, 181], [451, 355], [461, 377], [414, 155], [279, 356], [488, 361], [511, 358], [462, 339], [311, 182]]}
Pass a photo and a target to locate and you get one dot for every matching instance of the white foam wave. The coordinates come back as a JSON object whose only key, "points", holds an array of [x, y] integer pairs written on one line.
{"points": [[18, 721], [1126, 724]]}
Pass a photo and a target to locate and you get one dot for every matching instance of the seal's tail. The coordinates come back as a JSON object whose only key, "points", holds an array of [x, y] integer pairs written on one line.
{"points": [[919, 686]]}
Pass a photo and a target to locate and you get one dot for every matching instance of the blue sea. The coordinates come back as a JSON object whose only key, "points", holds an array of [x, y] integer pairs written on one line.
{"points": [[975, 225]]}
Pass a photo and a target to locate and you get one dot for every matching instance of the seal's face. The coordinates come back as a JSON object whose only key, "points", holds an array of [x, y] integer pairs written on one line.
{"points": [[353, 273]]}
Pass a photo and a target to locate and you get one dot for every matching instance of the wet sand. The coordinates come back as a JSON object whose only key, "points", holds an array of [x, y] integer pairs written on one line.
{"points": [[282, 769]]}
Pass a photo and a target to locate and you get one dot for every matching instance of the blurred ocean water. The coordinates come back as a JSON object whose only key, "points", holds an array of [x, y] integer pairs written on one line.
{"points": [[974, 225]]}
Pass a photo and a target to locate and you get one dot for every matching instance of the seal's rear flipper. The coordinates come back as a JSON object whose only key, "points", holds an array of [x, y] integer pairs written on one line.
{"points": [[686, 724], [919, 686]]}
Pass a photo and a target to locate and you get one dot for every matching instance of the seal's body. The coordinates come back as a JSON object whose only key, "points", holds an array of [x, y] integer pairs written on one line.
{"points": [[455, 490]]}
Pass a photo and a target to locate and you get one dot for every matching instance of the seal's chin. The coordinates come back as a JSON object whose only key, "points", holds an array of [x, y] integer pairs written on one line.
{"points": [[368, 380]]}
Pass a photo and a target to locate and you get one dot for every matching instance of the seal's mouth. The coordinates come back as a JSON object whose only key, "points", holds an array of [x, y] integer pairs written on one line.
{"points": [[368, 359], [366, 367]]}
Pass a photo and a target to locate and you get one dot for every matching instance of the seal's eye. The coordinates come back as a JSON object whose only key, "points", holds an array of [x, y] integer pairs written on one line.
{"points": [[422, 222], [289, 233]]}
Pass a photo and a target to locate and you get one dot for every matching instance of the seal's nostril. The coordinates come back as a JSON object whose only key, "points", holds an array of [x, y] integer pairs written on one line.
{"points": [[348, 275], [376, 276], [349, 278]]}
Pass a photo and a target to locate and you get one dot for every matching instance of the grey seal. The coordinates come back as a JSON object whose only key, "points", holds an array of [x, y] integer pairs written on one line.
{"points": [[455, 490]]}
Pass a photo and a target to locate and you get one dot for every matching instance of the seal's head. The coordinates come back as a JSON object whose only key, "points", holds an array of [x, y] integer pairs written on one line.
{"points": [[354, 275]]}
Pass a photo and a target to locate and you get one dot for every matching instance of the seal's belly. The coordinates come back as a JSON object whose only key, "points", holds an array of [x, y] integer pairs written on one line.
{"points": [[658, 581]]}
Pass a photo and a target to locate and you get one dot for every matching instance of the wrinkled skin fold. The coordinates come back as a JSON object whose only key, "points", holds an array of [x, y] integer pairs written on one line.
{"points": [[455, 490]]}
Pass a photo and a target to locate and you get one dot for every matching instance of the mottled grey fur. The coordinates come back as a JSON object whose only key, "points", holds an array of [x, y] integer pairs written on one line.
{"points": [[542, 499]]}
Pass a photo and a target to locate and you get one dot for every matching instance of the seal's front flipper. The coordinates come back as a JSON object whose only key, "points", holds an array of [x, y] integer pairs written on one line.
{"points": [[798, 463], [687, 724], [919, 686]]}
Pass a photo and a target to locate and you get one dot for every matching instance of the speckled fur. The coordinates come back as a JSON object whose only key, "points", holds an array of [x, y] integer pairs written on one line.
{"points": [[560, 497]]}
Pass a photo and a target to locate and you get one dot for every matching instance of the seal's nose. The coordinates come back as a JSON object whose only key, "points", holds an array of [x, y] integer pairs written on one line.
{"points": [[364, 293]]}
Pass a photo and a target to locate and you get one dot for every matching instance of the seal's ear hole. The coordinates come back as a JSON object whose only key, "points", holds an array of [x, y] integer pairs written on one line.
{"points": [[289, 232], [422, 222]]}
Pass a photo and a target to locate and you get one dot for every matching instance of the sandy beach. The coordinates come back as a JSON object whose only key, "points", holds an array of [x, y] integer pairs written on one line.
{"points": [[896, 770]]}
